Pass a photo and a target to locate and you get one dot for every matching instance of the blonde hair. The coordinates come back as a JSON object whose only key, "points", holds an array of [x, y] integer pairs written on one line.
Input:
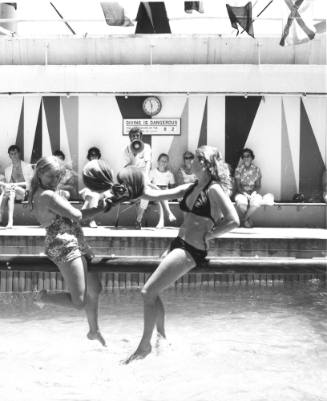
{"points": [[43, 165], [216, 166]]}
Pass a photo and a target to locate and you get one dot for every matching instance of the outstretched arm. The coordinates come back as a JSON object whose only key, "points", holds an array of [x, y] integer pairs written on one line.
{"points": [[154, 194], [62, 207]]}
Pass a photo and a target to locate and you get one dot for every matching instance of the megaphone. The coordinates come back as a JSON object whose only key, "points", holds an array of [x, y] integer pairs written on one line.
{"points": [[137, 146]]}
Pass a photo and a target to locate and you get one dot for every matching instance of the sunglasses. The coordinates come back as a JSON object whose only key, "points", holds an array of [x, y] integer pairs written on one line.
{"points": [[201, 159], [188, 158]]}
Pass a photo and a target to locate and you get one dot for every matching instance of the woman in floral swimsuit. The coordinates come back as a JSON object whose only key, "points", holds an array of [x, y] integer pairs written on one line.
{"points": [[64, 242]]}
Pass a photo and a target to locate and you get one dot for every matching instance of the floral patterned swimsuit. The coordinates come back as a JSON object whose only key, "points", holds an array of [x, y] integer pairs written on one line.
{"points": [[65, 241]]}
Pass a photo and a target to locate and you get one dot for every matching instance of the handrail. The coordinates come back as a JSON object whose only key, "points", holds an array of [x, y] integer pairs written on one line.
{"points": [[200, 17]]}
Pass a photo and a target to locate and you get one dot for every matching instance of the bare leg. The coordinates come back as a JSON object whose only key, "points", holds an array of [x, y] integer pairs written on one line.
{"points": [[166, 208], [175, 264], [140, 211], [139, 215], [92, 307], [242, 204], [91, 201], [160, 323], [2, 204], [84, 290], [86, 204], [255, 202], [161, 222], [250, 212], [11, 205]]}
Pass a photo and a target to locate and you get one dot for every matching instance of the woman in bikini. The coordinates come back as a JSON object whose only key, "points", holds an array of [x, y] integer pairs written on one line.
{"points": [[64, 242], [209, 213]]}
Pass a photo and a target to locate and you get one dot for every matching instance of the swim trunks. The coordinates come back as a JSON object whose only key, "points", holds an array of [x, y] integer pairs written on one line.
{"points": [[198, 255]]}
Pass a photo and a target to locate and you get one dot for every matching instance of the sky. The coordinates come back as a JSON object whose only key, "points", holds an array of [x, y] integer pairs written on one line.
{"points": [[214, 20]]}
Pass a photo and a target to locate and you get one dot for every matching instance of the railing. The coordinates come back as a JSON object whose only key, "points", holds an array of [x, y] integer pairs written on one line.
{"points": [[222, 29]]}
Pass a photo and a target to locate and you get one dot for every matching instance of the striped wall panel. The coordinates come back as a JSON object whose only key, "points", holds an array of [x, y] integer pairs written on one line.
{"points": [[288, 133]]}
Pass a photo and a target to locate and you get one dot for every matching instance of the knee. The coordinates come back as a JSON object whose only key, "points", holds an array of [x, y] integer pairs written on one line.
{"points": [[256, 201], [241, 201], [148, 296], [79, 301], [95, 290]]}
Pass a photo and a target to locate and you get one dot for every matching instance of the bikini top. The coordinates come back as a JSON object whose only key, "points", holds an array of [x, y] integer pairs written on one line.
{"points": [[201, 206]]}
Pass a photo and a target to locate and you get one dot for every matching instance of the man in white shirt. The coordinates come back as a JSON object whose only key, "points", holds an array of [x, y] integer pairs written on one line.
{"points": [[138, 157], [18, 177], [139, 154]]}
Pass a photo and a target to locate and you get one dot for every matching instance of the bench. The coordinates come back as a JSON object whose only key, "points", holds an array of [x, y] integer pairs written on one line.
{"points": [[310, 215]]}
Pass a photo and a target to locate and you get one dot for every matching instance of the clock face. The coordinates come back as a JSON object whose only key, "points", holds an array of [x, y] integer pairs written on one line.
{"points": [[151, 105]]}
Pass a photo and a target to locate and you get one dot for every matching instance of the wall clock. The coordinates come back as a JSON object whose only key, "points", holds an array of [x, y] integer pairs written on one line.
{"points": [[151, 105]]}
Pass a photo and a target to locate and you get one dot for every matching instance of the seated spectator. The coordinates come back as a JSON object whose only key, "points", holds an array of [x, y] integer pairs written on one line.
{"points": [[163, 178], [184, 174], [67, 186], [324, 186], [2, 186], [91, 198], [18, 176], [248, 183], [138, 154]]}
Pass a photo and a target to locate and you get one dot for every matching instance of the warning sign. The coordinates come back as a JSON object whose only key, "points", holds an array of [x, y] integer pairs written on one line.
{"points": [[153, 126]]}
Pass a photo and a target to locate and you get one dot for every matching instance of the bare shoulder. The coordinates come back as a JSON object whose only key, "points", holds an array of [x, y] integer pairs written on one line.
{"points": [[216, 189], [53, 198]]}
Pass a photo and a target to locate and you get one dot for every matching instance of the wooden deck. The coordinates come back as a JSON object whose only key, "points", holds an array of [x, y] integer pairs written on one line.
{"points": [[125, 257], [126, 246]]}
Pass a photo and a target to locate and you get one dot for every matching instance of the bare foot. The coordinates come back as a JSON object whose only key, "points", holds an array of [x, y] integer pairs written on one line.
{"points": [[159, 338], [161, 344], [96, 335], [93, 224], [138, 354], [37, 298], [9, 225], [160, 225]]}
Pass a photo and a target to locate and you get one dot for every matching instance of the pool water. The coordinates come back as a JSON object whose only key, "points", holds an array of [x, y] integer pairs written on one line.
{"points": [[227, 343]]}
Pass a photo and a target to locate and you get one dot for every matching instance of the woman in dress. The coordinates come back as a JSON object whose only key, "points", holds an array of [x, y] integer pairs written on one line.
{"points": [[248, 185]]}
